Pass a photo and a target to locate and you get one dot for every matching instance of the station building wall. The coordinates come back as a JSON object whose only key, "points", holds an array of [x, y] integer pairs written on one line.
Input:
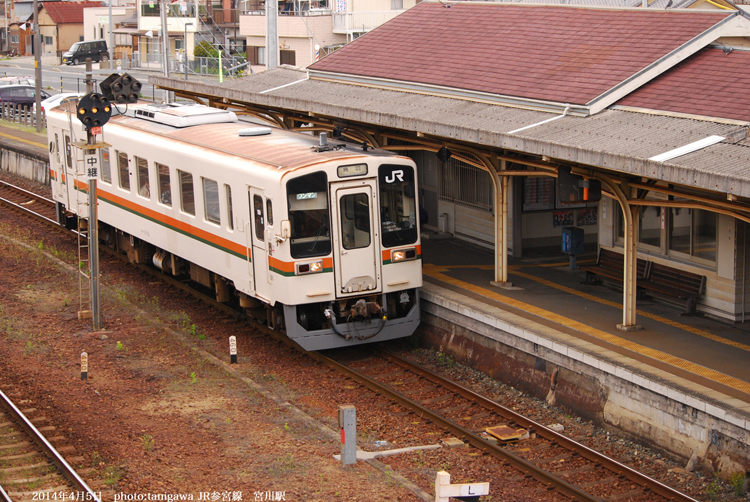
{"points": [[704, 243]]}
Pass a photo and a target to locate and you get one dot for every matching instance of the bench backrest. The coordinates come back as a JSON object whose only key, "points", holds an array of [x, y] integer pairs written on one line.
{"points": [[614, 261], [679, 279]]}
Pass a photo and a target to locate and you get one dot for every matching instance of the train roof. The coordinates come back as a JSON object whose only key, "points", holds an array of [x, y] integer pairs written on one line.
{"points": [[219, 131]]}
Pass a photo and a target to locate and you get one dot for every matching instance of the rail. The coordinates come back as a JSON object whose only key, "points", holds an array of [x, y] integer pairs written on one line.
{"points": [[67, 471], [542, 431]]}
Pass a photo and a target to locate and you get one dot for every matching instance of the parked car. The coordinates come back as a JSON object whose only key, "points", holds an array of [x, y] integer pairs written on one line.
{"points": [[16, 80], [56, 100], [23, 95], [79, 51]]}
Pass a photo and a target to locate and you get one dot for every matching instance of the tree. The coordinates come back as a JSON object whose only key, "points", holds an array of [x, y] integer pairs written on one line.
{"points": [[205, 50]]}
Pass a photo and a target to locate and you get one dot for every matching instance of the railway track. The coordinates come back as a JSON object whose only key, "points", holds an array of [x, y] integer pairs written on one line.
{"points": [[31, 468], [27, 202], [551, 458], [587, 475]]}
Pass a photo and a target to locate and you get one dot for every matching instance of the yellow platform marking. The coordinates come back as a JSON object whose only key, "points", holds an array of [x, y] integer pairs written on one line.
{"points": [[655, 317], [439, 273], [10, 136]]}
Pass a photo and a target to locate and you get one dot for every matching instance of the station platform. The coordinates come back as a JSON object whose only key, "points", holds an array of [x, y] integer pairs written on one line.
{"points": [[682, 382], [546, 290]]}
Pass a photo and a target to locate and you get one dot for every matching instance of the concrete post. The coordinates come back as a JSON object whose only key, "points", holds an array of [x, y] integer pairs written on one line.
{"points": [[272, 34], [348, 425]]}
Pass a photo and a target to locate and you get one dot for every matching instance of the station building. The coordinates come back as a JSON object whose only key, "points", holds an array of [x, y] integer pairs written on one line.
{"points": [[649, 103]]}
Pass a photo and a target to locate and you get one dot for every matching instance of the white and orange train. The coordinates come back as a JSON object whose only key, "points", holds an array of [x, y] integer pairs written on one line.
{"points": [[320, 241]]}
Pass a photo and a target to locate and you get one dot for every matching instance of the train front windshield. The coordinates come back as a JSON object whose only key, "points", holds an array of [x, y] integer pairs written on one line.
{"points": [[398, 210], [309, 215]]}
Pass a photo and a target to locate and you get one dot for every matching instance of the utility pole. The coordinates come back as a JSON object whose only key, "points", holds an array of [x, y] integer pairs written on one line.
{"points": [[37, 67], [111, 37], [272, 34], [165, 42]]}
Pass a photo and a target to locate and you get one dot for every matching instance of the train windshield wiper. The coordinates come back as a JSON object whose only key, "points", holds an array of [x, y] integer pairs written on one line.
{"points": [[317, 237]]}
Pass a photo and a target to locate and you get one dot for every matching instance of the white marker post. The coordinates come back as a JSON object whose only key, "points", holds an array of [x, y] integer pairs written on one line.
{"points": [[348, 425], [470, 491], [233, 349], [84, 366]]}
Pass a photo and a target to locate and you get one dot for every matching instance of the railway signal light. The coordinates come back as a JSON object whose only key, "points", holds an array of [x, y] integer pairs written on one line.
{"points": [[121, 89], [93, 110]]}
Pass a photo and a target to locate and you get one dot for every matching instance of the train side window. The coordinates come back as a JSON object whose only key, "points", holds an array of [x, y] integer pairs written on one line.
{"points": [[269, 212], [68, 153], [211, 201], [144, 189], [165, 188], [106, 172], [258, 216], [122, 165], [57, 151], [230, 212], [187, 196]]}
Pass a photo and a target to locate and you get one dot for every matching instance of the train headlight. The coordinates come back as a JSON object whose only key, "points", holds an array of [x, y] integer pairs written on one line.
{"points": [[312, 267], [403, 254]]}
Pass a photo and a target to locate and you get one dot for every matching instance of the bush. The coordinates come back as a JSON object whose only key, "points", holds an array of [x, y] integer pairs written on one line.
{"points": [[205, 50]]}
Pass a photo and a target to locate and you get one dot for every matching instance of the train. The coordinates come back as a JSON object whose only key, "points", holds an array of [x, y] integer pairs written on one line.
{"points": [[318, 239]]}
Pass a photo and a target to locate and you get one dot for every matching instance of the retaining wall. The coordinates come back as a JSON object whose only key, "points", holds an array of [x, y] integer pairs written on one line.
{"points": [[653, 407], [23, 162]]}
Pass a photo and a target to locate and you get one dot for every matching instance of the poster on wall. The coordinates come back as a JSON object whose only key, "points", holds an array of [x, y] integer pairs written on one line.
{"points": [[586, 217], [562, 218], [340, 5]]}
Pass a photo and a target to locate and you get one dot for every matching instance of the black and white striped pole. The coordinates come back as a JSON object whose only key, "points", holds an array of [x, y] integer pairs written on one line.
{"points": [[233, 349], [84, 366]]}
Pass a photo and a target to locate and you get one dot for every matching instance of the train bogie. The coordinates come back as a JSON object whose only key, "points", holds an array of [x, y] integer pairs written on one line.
{"points": [[320, 242]]}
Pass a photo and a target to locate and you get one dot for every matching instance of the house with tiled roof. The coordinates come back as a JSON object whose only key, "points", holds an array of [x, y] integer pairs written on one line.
{"points": [[61, 24]]}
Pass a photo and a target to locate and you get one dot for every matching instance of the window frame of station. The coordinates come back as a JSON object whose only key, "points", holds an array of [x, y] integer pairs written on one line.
{"points": [[451, 190], [665, 237], [553, 204]]}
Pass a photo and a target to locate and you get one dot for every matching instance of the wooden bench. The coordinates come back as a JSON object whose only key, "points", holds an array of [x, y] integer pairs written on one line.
{"points": [[611, 265], [674, 283]]}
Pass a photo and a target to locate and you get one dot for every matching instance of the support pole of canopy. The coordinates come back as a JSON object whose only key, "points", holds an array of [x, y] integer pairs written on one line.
{"points": [[630, 234]]}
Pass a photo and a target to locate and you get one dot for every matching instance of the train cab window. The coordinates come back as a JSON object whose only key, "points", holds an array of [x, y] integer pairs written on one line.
{"points": [[258, 216], [398, 210], [269, 212], [144, 189], [307, 197], [355, 220], [165, 188], [230, 212], [122, 167], [211, 201], [106, 172], [187, 195]]}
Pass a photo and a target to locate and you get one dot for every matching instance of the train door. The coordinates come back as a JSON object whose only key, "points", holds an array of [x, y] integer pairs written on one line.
{"points": [[356, 239], [257, 202], [77, 188]]}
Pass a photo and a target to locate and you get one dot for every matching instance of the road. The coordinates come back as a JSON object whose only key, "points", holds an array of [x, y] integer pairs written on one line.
{"points": [[62, 78]]}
